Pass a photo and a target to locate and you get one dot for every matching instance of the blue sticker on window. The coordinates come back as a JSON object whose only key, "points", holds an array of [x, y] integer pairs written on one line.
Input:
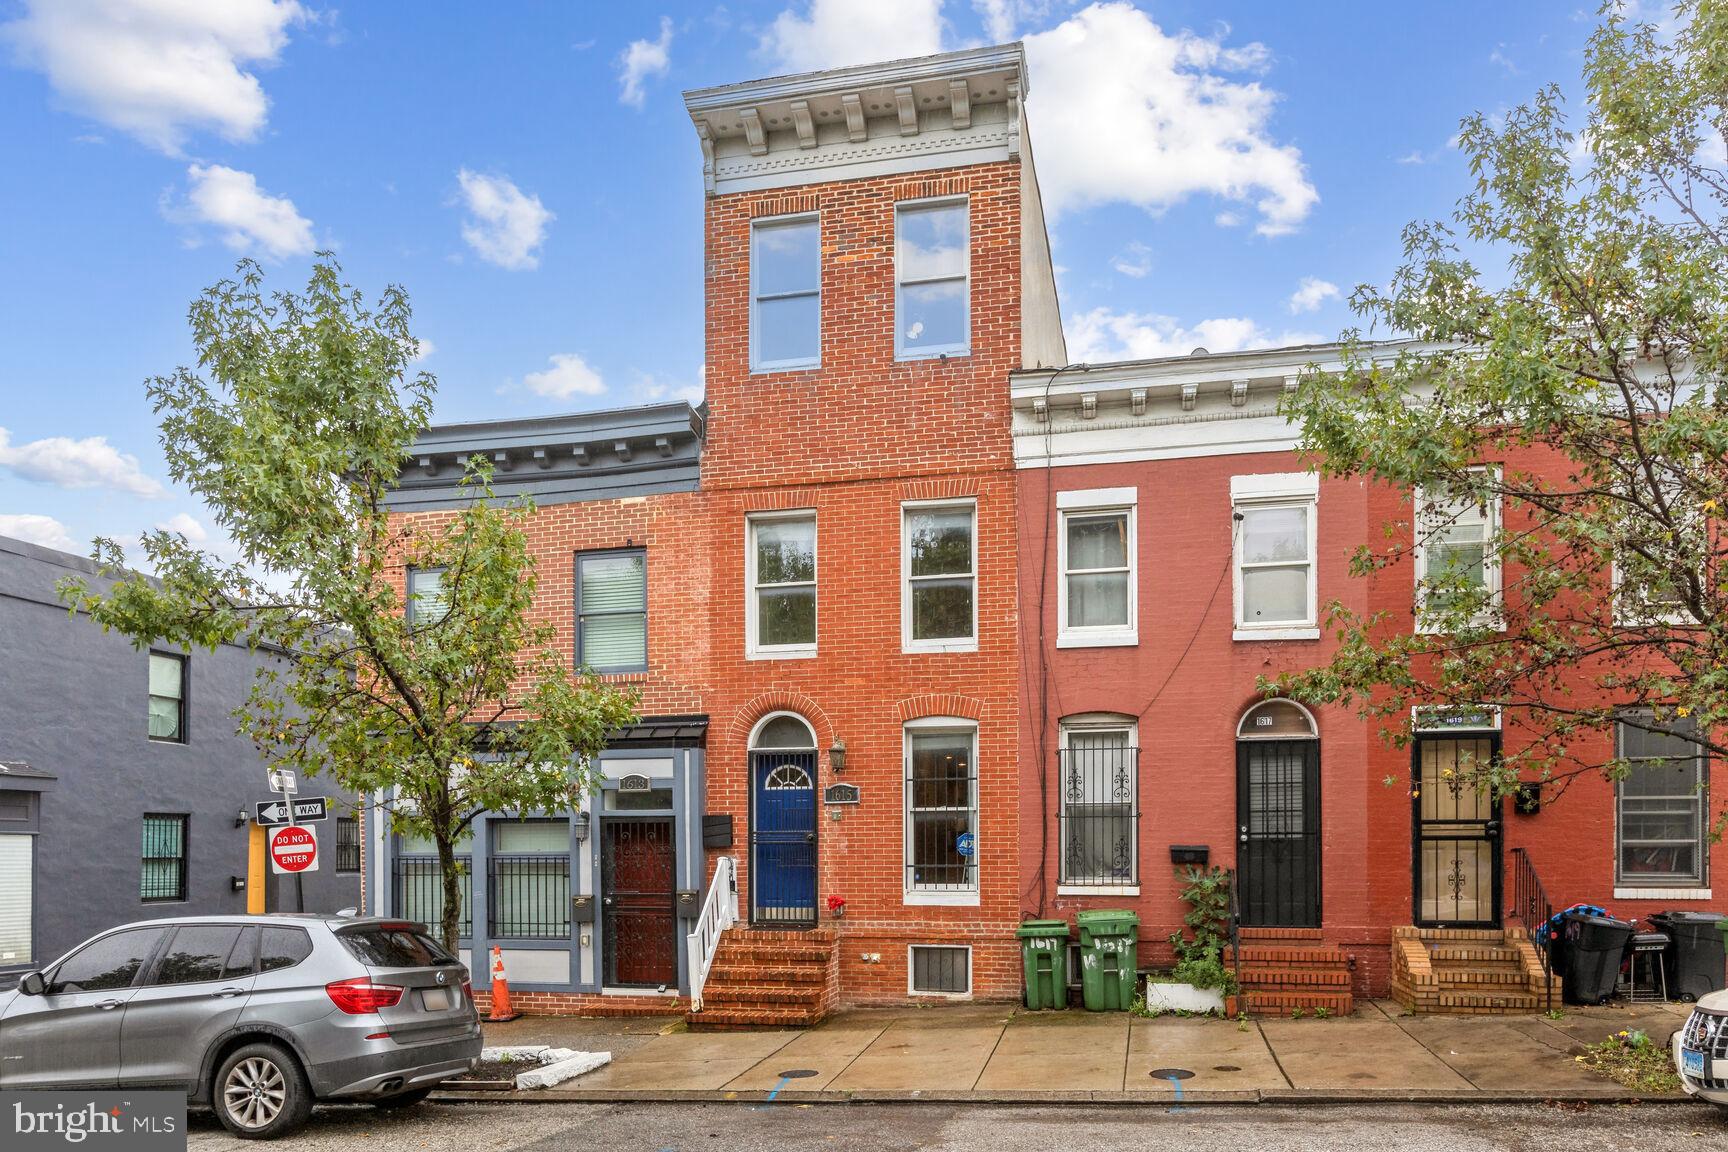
{"points": [[963, 844]]}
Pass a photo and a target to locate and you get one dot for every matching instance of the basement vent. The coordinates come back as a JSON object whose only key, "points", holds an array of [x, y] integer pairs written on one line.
{"points": [[940, 970]]}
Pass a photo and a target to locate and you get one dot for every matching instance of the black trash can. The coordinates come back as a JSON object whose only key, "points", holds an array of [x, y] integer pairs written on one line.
{"points": [[1595, 948], [1696, 958]]}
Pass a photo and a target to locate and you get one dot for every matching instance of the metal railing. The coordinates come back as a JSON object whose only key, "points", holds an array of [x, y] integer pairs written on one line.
{"points": [[1531, 908], [528, 897], [417, 891], [719, 912], [1100, 815]]}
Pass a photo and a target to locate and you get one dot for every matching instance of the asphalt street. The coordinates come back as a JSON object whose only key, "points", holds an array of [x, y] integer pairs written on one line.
{"points": [[744, 1127]]}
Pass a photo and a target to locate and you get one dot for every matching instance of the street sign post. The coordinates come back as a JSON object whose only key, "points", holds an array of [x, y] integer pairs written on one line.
{"points": [[307, 810], [293, 850], [284, 781]]}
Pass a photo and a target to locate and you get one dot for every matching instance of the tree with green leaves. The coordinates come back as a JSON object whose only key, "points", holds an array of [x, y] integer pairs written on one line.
{"points": [[293, 429], [1563, 441]]}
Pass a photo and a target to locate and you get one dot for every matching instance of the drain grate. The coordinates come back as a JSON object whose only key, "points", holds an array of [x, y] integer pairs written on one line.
{"points": [[1172, 1073], [798, 1073]]}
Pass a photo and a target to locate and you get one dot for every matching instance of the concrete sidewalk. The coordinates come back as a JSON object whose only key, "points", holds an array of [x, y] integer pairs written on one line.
{"points": [[996, 1053]]}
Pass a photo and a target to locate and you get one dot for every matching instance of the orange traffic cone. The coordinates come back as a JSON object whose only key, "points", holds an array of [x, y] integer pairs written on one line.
{"points": [[501, 1009]]}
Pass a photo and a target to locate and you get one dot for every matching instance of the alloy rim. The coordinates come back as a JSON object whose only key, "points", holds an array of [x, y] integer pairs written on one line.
{"points": [[255, 1092]]}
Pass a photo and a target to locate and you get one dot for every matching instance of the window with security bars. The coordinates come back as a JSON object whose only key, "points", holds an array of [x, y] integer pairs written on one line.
{"points": [[612, 611], [1100, 806], [168, 697], [941, 811], [528, 880], [417, 886], [347, 844], [944, 970], [1660, 806], [162, 877]]}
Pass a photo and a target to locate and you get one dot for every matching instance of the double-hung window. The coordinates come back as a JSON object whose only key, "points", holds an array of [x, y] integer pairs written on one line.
{"points": [[939, 566], [785, 293], [428, 602], [781, 609], [162, 877], [1097, 604], [1456, 567], [168, 697], [528, 897], [932, 274], [1660, 814], [1100, 803], [1275, 586], [941, 812], [612, 611]]}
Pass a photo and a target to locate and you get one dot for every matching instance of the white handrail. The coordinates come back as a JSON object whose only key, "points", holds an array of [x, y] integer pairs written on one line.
{"points": [[719, 912]]}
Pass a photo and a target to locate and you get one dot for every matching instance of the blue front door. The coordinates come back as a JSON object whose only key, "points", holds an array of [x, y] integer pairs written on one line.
{"points": [[783, 837]]}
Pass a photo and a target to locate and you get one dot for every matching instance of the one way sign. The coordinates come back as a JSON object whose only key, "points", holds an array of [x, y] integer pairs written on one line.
{"points": [[307, 809]]}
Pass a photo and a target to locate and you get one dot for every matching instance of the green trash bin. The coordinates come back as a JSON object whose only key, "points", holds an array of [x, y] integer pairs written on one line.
{"points": [[1109, 961], [1044, 953]]}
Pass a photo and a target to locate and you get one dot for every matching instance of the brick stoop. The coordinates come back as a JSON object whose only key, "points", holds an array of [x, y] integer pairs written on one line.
{"points": [[764, 979], [1467, 971], [1288, 970]]}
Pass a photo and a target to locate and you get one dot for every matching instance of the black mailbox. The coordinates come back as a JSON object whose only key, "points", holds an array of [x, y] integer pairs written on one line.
{"points": [[717, 831], [1527, 798], [582, 909], [1200, 854]]}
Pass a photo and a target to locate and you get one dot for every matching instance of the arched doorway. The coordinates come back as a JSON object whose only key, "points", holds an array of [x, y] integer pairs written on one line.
{"points": [[782, 875], [1278, 816]]}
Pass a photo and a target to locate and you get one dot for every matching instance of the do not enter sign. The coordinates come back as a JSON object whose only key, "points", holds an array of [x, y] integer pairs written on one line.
{"points": [[293, 848]]}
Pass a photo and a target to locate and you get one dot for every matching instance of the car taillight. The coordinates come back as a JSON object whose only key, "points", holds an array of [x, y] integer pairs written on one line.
{"points": [[468, 991], [360, 995]]}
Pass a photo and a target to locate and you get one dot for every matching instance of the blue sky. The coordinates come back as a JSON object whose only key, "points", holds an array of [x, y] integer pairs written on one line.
{"points": [[1220, 173]]}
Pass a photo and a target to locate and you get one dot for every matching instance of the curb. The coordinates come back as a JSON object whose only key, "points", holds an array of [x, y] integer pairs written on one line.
{"points": [[1153, 1098]]}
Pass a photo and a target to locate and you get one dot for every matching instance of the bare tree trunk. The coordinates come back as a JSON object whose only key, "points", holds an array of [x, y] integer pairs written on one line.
{"points": [[450, 921]]}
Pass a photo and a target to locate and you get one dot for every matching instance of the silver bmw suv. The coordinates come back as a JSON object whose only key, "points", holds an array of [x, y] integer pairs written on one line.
{"points": [[256, 1016]]}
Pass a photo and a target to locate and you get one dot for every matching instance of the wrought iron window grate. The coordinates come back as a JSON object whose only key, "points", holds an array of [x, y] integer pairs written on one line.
{"points": [[419, 892], [528, 897], [1100, 813]]}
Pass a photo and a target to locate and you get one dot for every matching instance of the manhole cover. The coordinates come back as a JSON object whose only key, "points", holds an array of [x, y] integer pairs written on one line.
{"points": [[798, 1073], [1226, 1068], [1172, 1073]]}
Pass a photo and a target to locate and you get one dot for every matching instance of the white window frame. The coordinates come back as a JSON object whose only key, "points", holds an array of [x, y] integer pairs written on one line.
{"points": [[964, 348], [758, 365], [1276, 490], [1628, 616], [1490, 561], [1098, 722], [946, 644], [912, 991], [752, 649], [1687, 887], [1094, 502], [950, 897]]}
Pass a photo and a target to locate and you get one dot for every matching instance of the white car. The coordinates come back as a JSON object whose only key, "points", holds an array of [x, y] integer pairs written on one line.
{"points": [[1701, 1050]]}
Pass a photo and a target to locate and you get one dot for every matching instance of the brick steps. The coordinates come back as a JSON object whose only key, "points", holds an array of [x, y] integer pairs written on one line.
{"points": [[767, 978], [1285, 971], [1468, 971]]}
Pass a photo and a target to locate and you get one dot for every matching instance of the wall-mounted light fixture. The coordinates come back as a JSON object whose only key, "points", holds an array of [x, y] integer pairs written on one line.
{"points": [[580, 825], [237, 883], [242, 818], [837, 756]]}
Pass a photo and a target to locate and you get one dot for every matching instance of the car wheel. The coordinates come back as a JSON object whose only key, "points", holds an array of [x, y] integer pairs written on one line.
{"points": [[261, 1093], [402, 1099]]}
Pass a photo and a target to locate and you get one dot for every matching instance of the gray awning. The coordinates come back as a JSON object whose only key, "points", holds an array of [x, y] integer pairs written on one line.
{"points": [[661, 732], [17, 776]]}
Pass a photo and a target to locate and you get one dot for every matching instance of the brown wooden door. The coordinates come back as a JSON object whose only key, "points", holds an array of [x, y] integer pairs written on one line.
{"points": [[638, 894]]}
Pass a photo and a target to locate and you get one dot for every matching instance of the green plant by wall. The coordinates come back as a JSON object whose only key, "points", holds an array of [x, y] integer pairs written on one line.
{"points": [[1206, 892]]}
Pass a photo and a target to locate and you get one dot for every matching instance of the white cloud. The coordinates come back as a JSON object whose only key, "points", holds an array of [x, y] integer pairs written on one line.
{"points": [[1134, 260], [651, 389], [642, 59], [1002, 18], [568, 376], [34, 529], [158, 69], [423, 351], [187, 526], [835, 33], [247, 217], [1497, 56], [1122, 111], [67, 463], [1101, 336], [506, 226], [1310, 294]]}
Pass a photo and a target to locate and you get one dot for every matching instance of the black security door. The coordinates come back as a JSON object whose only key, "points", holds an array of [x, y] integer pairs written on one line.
{"points": [[1278, 832]]}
